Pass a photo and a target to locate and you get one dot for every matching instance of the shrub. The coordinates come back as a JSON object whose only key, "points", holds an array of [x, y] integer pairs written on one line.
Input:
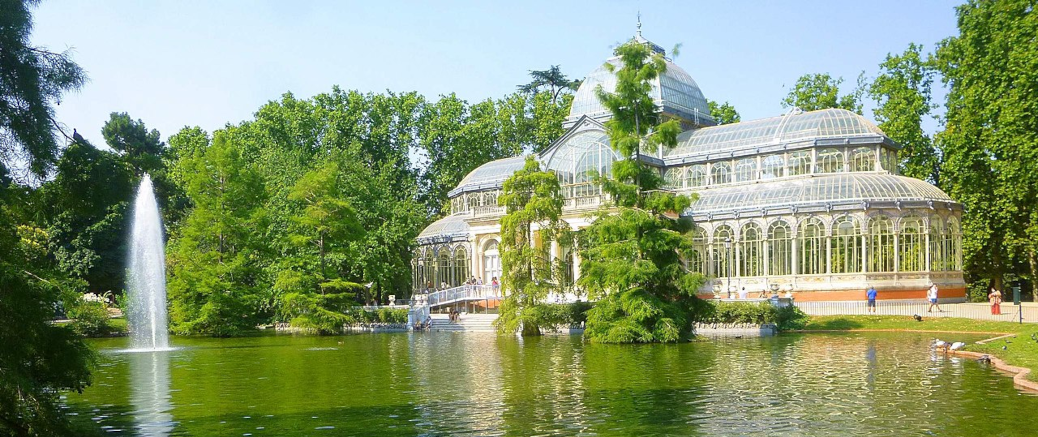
{"points": [[90, 319], [756, 313]]}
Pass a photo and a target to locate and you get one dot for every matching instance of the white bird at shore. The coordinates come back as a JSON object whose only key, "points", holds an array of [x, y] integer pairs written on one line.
{"points": [[957, 345], [939, 344]]}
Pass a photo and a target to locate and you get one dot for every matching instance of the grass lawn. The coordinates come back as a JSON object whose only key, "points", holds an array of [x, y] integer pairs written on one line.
{"points": [[1021, 350]]}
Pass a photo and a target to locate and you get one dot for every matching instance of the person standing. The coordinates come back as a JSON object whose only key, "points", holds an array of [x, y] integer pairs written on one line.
{"points": [[871, 295], [931, 295], [995, 297]]}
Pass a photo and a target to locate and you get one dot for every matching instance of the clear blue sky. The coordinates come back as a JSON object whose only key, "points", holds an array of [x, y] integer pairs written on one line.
{"points": [[207, 63]]}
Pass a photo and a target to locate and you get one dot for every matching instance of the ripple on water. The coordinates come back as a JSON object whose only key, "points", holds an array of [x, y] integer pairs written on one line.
{"points": [[488, 385]]}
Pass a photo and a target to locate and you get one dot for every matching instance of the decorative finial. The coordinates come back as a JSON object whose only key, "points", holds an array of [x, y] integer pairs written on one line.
{"points": [[639, 23]]}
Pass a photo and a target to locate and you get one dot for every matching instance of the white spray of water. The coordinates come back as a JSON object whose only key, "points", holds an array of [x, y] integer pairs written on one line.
{"points": [[147, 274]]}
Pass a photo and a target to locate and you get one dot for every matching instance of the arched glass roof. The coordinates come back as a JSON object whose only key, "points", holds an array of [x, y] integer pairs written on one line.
{"points": [[817, 190], [489, 175], [584, 153], [675, 91], [450, 228], [792, 127]]}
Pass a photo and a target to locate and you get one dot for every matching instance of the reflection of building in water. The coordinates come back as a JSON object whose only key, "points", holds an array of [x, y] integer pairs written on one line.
{"points": [[150, 395], [808, 200], [458, 388]]}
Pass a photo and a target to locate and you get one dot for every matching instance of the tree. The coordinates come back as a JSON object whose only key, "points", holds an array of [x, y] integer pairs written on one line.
{"points": [[990, 140], [532, 198], [820, 91], [32, 80], [630, 258], [902, 95], [552, 80], [86, 206], [327, 221], [38, 360], [140, 147], [723, 113], [215, 274], [548, 115]]}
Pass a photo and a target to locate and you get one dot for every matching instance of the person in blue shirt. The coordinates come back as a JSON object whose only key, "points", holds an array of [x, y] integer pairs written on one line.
{"points": [[871, 294]]}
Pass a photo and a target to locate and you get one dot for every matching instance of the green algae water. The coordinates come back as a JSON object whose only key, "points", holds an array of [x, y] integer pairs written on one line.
{"points": [[481, 384]]}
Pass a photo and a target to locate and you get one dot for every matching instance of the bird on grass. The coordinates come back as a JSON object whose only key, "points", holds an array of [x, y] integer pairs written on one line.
{"points": [[917, 317]]}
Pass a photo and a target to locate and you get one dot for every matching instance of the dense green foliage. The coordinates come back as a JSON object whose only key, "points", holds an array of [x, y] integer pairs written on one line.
{"points": [[630, 262], [902, 94], [315, 197], [990, 141], [532, 199], [723, 113], [820, 91], [756, 313], [37, 359]]}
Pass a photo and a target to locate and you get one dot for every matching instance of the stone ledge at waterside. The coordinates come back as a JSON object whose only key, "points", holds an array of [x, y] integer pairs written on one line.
{"points": [[360, 327], [735, 329]]}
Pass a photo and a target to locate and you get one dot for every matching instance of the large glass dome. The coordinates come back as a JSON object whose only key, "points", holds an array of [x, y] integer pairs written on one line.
{"points": [[674, 92]]}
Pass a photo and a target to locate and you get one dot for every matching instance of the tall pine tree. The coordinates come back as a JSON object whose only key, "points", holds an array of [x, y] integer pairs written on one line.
{"points": [[630, 255]]}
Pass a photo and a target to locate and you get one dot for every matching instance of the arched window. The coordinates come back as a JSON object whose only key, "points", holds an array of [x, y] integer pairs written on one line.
{"points": [[799, 163], [811, 239], [911, 257], [954, 245], [695, 259], [846, 246], [578, 160], [780, 249], [863, 159], [829, 161], [444, 268], [430, 269], [416, 272], [746, 170], [472, 199], [565, 266], [461, 265], [751, 251], [720, 173], [771, 166], [674, 177], [491, 262], [722, 252], [881, 244], [696, 176], [938, 235]]}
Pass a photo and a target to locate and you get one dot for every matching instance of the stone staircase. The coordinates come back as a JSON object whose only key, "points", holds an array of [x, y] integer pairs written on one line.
{"points": [[467, 323]]}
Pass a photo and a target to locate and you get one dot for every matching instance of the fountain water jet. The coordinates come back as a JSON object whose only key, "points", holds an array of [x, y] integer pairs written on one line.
{"points": [[146, 279]]}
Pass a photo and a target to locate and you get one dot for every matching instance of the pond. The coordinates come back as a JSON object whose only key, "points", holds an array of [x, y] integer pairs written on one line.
{"points": [[482, 384]]}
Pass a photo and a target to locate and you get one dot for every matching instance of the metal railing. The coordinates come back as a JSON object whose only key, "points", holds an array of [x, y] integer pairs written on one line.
{"points": [[422, 304], [463, 293], [977, 311]]}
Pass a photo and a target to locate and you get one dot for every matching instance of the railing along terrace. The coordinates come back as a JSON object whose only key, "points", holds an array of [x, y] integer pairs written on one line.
{"points": [[463, 293], [976, 311]]}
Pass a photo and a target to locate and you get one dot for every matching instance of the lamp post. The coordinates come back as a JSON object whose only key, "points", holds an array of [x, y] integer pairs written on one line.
{"points": [[728, 253]]}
